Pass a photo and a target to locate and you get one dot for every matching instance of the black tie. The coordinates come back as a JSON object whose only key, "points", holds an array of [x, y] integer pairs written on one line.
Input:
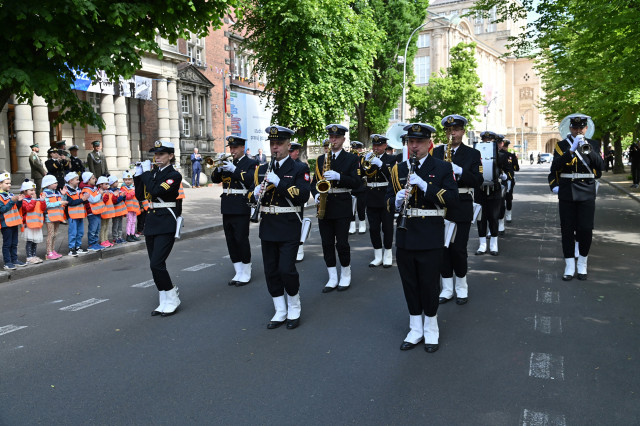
{"points": [[333, 157], [276, 167]]}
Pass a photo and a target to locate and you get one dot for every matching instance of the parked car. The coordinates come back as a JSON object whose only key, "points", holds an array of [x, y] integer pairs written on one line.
{"points": [[546, 158]]}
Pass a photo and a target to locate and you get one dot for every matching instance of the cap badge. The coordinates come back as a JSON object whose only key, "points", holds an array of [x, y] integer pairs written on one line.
{"points": [[274, 130], [450, 119], [415, 128], [334, 128], [231, 139], [376, 137], [158, 144]]}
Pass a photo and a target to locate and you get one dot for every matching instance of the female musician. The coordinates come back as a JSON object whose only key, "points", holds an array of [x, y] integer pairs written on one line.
{"points": [[160, 187]]}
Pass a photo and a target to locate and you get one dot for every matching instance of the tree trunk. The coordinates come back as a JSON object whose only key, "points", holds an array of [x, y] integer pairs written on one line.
{"points": [[5, 94], [363, 130], [618, 165]]}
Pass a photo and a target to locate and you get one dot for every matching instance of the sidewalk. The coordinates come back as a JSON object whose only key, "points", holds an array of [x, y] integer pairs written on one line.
{"points": [[621, 183], [200, 209]]}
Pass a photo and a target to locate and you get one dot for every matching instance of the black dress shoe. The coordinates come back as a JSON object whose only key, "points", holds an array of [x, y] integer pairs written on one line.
{"points": [[274, 324], [501, 233], [444, 300], [232, 283], [494, 253], [431, 348], [567, 277], [240, 283], [581, 277], [461, 300], [405, 346], [343, 288], [328, 289], [480, 253], [156, 313], [292, 323], [168, 314]]}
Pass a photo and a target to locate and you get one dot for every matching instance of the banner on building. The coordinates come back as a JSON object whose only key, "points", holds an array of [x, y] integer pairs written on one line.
{"points": [[135, 87], [249, 117]]}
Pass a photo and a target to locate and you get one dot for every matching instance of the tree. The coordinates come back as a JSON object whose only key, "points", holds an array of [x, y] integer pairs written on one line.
{"points": [[45, 41], [455, 91], [397, 19], [316, 55]]}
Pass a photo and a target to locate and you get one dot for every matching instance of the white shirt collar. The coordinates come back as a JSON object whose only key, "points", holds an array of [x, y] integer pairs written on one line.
{"points": [[281, 162], [335, 153]]}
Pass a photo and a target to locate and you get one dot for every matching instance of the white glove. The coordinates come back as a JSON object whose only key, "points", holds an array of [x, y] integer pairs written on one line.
{"points": [[503, 176], [256, 191], [317, 198], [229, 166], [376, 162], [414, 179], [400, 198], [456, 169], [574, 145], [273, 178], [138, 170], [331, 175], [146, 165], [555, 189]]}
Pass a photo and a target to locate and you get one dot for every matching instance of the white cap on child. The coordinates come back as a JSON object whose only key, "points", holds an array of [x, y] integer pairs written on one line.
{"points": [[86, 176], [112, 179], [27, 184], [102, 179], [4, 176], [70, 175], [127, 174], [48, 180]]}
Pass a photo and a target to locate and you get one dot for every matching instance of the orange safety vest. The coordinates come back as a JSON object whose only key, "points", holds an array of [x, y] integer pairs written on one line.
{"points": [[96, 208], [145, 205], [132, 204], [55, 214], [120, 209], [180, 192], [78, 211], [35, 218], [12, 217], [108, 212]]}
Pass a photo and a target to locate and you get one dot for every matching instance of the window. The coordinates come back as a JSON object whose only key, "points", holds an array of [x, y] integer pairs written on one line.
{"points": [[186, 100], [201, 127], [422, 69], [190, 53], [491, 26], [478, 24], [195, 50], [395, 114], [94, 100], [186, 126], [200, 104], [424, 40]]}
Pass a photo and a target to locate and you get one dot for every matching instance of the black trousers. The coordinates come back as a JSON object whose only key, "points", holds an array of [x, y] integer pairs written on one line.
{"points": [[159, 247], [576, 224], [236, 232], [454, 258], [140, 220], [279, 258], [635, 173], [380, 218], [508, 198], [490, 214], [361, 205], [420, 276], [335, 236]]}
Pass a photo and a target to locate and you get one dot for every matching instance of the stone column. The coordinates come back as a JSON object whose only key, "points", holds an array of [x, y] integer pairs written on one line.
{"points": [[162, 94], [208, 123], [174, 130], [122, 140], [24, 128], [109, 132]]}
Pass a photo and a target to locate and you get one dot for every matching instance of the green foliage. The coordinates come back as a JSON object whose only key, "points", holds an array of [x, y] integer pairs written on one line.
{"points": [[44, 40], [455, 91], [316, 55]]}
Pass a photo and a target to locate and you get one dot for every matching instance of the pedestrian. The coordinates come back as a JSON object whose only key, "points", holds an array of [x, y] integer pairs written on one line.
{"points": [[33, 218], [37, 167], [294, 153], [160, 187], [96, 161], [94, 206], [261, 158], [54, 214], [76, 211], [248, 154], [10, 220], [119, 210], [132, 204], [108, 213], [634, 157], [196, 168], [531, 158]]}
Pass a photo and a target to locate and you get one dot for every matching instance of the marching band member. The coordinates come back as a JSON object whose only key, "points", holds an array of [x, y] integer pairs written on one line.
{"points": [[294, 153], [236, 176], [419, 247], [360, 193], [512, 162], [160, 186], [467, 168], [378, 177], [576, 164], [505, 158], [282, 189], [343, 174]]}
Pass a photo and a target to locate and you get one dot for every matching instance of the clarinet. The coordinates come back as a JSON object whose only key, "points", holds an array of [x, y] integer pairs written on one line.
{"points": [[402, 220], [255, 216]]}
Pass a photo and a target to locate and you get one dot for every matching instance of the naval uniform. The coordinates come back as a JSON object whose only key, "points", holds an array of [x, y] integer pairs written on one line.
{"points": [[236, 190], [360, 193], [378, 179], [455, 256], [489, 196], [510, 162], [160, 225], [57, 169]]}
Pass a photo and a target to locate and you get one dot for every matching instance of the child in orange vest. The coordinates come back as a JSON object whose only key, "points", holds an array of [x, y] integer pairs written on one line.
{"points": [[33, 218], [55, 213], [133, 206], [107, 214], [10, 220], [76, 212], [94, 207], [120, 210]]}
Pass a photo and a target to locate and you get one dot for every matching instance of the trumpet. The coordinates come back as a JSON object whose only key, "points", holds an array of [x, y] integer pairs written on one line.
{"points": [[366, 163], [218, 161], [402, 220]]}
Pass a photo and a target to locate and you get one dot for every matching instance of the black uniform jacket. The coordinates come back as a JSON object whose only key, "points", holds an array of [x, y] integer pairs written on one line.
{"points": [[152, 186], [469, 159], [566, 162], [293, 186], [242, 178], [514, 162], [376, 196], [77, 166], [362, 188], [424, 233], [339, 205]]}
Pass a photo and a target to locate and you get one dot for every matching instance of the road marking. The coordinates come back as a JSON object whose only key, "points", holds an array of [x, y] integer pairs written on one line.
{"points": [[536, 418], [226, 257], [546, 366], [82, 305], [144, 284], [547, 296], [10, 329], [56, 301], [198, 267], [548, 325]]}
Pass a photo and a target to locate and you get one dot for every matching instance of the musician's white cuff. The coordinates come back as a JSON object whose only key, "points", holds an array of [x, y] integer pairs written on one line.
{"points": [[256, 191]]}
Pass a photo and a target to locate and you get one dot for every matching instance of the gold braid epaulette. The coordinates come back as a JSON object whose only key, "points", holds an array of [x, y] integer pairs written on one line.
{"points": [[318, 176], [255, 176], [395, 179]]}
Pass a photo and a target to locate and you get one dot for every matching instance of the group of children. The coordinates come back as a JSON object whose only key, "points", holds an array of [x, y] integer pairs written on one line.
{"points": [[100, 201]]}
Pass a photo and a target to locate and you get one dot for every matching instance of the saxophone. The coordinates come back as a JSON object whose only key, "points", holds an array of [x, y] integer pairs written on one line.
{"points": [[323, 186], [447, 154]]}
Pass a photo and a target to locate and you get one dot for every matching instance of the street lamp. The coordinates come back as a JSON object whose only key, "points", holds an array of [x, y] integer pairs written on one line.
{"points": [[522, 130], [486, 112]]}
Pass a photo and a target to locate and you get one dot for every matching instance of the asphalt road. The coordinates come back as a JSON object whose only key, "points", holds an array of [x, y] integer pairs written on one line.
{"points": [[528, 348]]}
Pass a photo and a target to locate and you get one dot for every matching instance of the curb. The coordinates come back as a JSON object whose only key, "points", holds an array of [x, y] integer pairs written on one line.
{"points": [[621, 189], [68, 261]]}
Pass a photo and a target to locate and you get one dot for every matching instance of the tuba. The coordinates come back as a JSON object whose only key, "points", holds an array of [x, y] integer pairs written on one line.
{"points": [[323, 186]]}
